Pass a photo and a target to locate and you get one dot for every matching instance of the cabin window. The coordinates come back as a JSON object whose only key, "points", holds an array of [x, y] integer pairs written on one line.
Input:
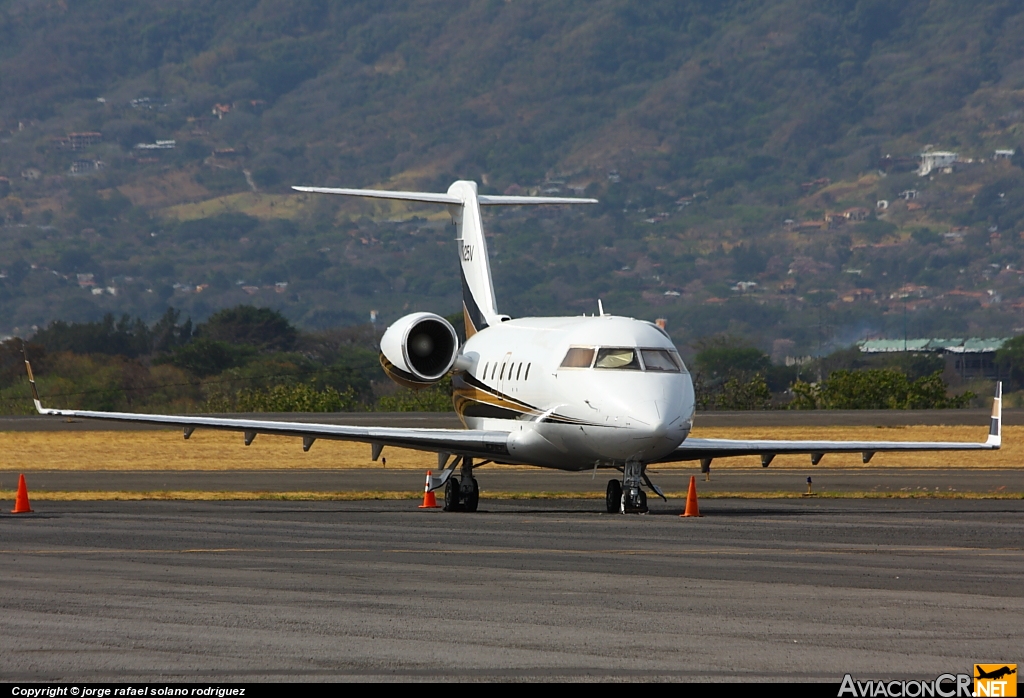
{"points": [[527, 376], [502, 376], [484, 374], [660, 360], [578, 357], [494, 369], [519, 370], [617, 357]]}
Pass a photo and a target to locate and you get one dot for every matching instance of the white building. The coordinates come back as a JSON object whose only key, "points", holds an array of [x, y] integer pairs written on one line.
{"points": [[936, 160]]}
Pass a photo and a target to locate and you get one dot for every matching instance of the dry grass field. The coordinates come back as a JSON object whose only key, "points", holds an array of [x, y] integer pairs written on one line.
{"points": [[214, 450]]}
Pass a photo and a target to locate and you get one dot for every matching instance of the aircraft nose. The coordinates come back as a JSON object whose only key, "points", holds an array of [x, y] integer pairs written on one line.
{"points": [[657, 420]]}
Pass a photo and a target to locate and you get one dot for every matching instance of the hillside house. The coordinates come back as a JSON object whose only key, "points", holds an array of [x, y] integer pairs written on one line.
{"points": [[86, 166], [856, 214], [219, 110], [77, 141], [936, 160], [80, 141], [834, 220], [857, 294], [158, 145], [1003, 155]]}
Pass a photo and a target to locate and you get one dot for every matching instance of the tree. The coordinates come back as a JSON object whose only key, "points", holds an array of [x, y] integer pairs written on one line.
{"points": [[1010, 357], [206, 357], [121, 338], [261, 328], [730, 375]]}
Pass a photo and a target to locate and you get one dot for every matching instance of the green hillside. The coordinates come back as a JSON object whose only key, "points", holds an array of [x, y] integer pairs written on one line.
{"points": [[702, 127]]}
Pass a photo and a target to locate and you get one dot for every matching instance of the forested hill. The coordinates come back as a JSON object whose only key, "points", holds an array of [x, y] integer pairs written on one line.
{"points": [[702, 126]]}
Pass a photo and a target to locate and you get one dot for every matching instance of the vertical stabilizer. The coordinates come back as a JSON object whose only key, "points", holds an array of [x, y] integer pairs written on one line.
{"points": [[478, 304], [463, 202]]}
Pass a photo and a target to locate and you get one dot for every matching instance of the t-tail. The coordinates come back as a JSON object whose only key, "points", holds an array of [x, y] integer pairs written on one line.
{"points": [[479, 306]]}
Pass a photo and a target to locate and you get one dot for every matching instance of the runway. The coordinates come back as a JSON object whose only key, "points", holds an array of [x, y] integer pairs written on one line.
{"points": [[755, 590]]}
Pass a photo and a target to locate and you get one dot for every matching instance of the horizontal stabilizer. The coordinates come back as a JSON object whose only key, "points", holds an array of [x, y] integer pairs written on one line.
{"points": [[424, 197], [487, 200], [431, 198]]}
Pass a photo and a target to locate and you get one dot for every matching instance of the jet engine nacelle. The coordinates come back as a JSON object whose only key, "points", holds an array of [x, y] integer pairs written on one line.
{"points": [[419, 349]]}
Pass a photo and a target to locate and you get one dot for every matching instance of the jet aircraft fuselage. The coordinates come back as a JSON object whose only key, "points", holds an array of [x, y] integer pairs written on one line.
{"points": [[575, 392]]}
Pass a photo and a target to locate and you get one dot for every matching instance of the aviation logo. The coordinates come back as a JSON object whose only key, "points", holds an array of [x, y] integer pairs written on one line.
{"points": [[995, 680], [990, 681]]}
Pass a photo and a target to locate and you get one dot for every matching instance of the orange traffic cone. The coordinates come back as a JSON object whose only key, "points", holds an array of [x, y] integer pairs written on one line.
{"points": [[21, 505], [691, 499], [429, 501]]}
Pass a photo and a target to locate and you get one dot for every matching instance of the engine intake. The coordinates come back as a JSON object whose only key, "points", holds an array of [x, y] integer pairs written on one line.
{"points": [[419, 349]]}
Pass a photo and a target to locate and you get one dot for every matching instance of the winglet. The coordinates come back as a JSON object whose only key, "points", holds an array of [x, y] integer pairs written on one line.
{"points": [[32, 384], [995, 428]]}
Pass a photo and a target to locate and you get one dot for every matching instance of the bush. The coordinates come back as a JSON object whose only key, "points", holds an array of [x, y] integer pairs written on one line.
{"points": [[303, 397], [436, 398], [877, 389]]}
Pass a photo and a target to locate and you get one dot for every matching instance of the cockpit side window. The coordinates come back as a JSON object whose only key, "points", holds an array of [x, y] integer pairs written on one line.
{"points": [[660, 360], [618, 357], [578, 357]]}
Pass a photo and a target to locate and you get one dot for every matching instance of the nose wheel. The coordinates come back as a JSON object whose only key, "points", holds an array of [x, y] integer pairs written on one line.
{"points": [[613, 496]]}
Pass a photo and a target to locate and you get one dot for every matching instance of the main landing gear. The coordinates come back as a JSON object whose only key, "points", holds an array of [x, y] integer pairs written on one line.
{"points": [[464, 495], [627, 497]]}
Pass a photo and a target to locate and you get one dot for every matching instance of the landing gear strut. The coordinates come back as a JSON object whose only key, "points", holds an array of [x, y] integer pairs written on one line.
{"points": [[462, 495], [633, 499]]}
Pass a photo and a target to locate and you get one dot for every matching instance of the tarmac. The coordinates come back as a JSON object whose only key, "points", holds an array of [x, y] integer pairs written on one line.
{"points": [[805, 589], [529, 481]]}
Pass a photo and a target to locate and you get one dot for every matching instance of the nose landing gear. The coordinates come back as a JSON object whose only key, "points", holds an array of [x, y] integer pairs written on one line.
{"points": [[627, 498]]}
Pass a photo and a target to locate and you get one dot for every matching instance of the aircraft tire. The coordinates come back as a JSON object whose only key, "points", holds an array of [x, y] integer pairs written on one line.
{"points": [[641, 502], [613, 496], [451, 495], [473, 498]]}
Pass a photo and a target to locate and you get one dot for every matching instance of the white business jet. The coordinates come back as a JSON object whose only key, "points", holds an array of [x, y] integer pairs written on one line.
{"points": [[572, 393]]}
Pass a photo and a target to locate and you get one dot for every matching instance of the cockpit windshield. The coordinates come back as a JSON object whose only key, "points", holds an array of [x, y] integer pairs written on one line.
{"points": [[578, 357], [655, 360], [619, 357], [661, 360]]}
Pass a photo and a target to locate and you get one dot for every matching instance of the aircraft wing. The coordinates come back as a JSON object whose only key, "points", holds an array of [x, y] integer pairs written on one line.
{"points": [[707, 449], [465, 442]]}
